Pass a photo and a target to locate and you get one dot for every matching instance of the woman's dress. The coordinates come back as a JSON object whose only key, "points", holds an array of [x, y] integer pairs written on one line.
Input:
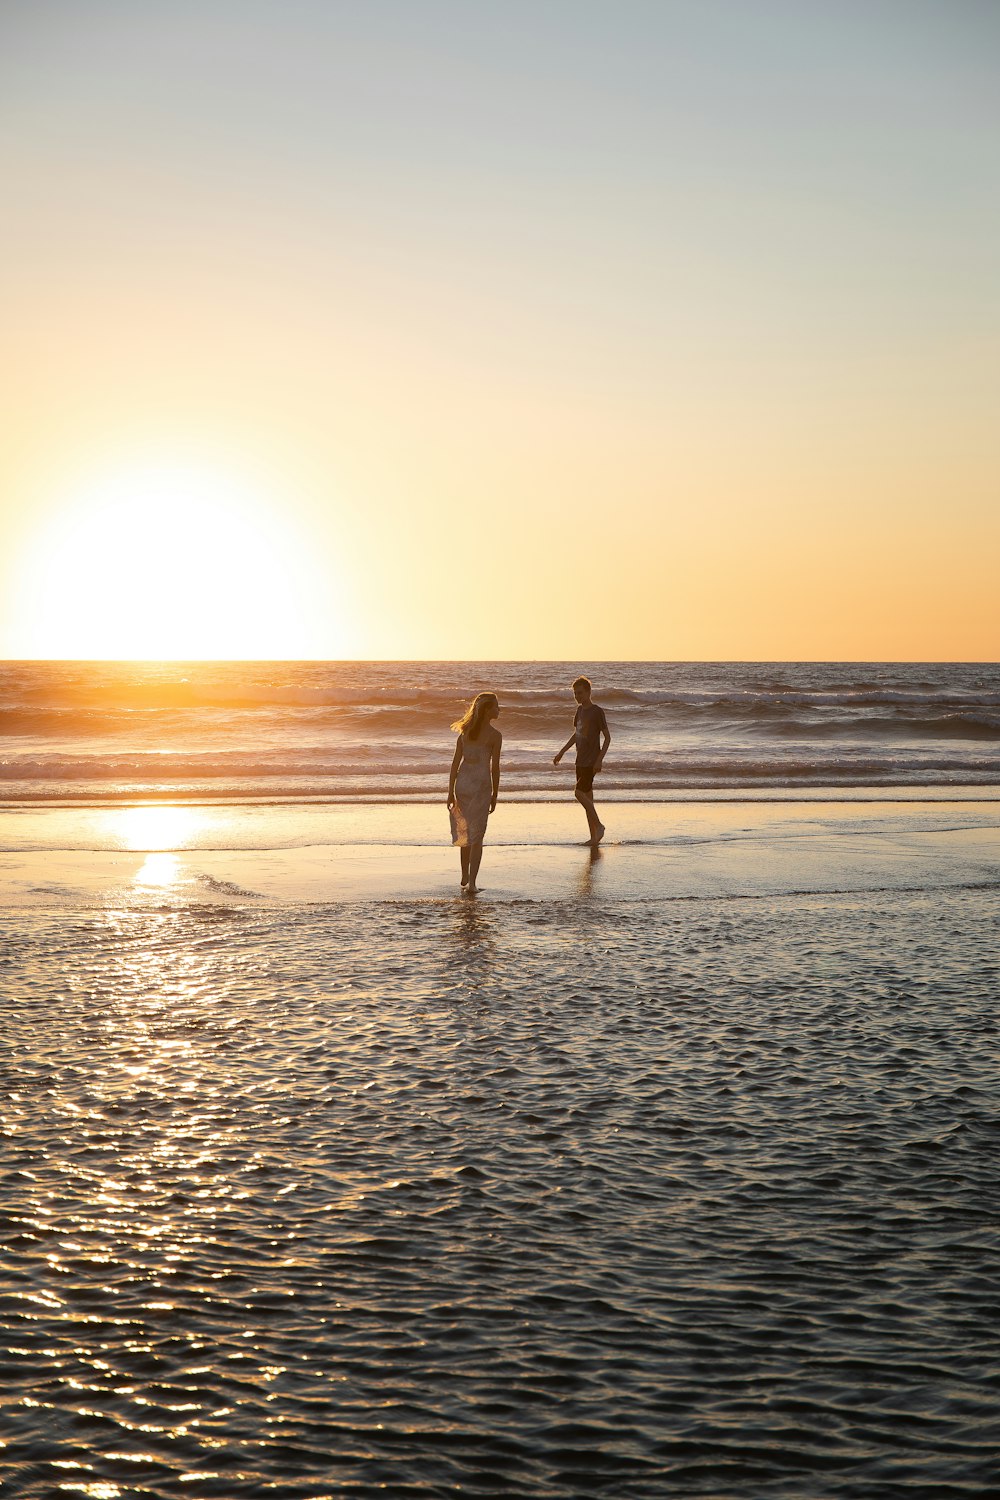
{"points": [[473, 793]]}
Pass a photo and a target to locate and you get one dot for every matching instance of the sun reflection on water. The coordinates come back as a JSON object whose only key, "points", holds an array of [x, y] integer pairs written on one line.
{"points": [[158, 826], [159, 870], [162, 1069], [158, 830], [100, 1490]]}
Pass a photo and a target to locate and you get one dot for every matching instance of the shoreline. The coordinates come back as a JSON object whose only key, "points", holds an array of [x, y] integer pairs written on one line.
{"points": [[667, 796], [175, 855]]}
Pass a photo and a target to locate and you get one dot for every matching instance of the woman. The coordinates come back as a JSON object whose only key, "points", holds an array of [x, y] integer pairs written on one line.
{"points": [[474, 782]]}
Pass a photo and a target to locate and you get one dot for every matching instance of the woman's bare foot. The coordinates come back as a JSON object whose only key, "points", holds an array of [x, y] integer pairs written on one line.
{"points": [[601, 831], [471, 890], [465, 879]]}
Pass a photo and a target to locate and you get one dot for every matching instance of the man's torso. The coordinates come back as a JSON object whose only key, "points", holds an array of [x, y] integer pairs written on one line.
{"points": [[589, 721]]}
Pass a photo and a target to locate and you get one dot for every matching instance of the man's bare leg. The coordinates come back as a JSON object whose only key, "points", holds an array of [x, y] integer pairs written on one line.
{"points": [[594, 823]]}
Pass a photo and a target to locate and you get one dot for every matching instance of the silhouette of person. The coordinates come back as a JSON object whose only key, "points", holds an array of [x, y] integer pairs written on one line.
{"points": [[474, 782], [591, 736]]}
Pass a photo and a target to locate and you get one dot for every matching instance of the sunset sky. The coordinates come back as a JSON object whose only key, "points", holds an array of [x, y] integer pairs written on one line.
{"points": [[418, 328]]}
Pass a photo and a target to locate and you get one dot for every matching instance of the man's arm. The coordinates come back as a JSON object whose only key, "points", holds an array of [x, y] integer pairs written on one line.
{"points": [[605, 741], [560, 753], [571, 741]]}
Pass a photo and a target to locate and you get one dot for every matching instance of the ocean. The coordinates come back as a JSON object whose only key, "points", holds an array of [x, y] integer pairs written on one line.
{"points": [[379, 731]]}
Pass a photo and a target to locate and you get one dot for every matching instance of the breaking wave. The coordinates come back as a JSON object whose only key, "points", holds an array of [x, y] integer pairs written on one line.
{"points": [[381, 729]]}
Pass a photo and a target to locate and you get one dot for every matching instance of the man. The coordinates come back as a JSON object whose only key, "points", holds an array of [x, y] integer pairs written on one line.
{"points": [[591, 737]]}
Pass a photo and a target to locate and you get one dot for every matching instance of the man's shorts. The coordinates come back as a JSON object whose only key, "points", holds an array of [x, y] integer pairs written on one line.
{"points": [[585, 779]]}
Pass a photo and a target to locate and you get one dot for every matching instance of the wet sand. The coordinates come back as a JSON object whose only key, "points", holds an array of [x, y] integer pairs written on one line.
{"points": [[534, 852], [670, 1173]]}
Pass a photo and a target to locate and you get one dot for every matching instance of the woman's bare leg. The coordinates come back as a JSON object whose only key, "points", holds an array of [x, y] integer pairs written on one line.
{"points": [[475, 855], [463, 855]]}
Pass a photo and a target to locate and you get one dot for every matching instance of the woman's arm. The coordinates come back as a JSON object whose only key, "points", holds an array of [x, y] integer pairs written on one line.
{"points": [[495, 769], [455, 763]]}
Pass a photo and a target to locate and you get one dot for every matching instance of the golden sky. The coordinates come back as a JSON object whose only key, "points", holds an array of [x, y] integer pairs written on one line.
{"points": [[618, 330]]}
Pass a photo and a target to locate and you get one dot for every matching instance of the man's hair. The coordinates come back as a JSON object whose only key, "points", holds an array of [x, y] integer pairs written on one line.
{"points": [[582, 682]]}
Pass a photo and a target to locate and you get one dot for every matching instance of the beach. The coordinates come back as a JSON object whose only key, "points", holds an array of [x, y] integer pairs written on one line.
{"points": [[665, 1167], [669, 1170]]}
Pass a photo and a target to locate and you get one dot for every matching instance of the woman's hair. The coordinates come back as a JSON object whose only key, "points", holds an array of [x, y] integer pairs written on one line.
{"points": [[475, 716]]}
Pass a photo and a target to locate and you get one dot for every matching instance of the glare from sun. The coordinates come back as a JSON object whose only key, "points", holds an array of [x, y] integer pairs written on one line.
{"points": [[159, 870], [155, 828], [170, 561]]}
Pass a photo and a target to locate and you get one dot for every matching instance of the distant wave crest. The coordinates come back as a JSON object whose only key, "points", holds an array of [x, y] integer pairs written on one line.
{"points": [[381, 729]]}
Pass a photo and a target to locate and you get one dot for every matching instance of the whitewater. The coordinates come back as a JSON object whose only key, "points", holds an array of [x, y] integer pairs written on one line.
{"points": [[379, 731]]}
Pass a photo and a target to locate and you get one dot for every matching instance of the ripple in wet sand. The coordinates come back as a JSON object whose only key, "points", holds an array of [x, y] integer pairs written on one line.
{"points": [[538, 1200]]}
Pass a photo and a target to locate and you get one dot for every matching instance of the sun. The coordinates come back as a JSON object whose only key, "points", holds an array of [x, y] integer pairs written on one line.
{"points": [[174, 561]]}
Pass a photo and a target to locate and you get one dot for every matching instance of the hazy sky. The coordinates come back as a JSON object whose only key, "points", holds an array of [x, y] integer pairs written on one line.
{"points": [[550, 329]]}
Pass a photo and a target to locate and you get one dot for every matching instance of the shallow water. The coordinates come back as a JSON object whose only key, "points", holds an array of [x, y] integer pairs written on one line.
{"points": [[546, 1200]]}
